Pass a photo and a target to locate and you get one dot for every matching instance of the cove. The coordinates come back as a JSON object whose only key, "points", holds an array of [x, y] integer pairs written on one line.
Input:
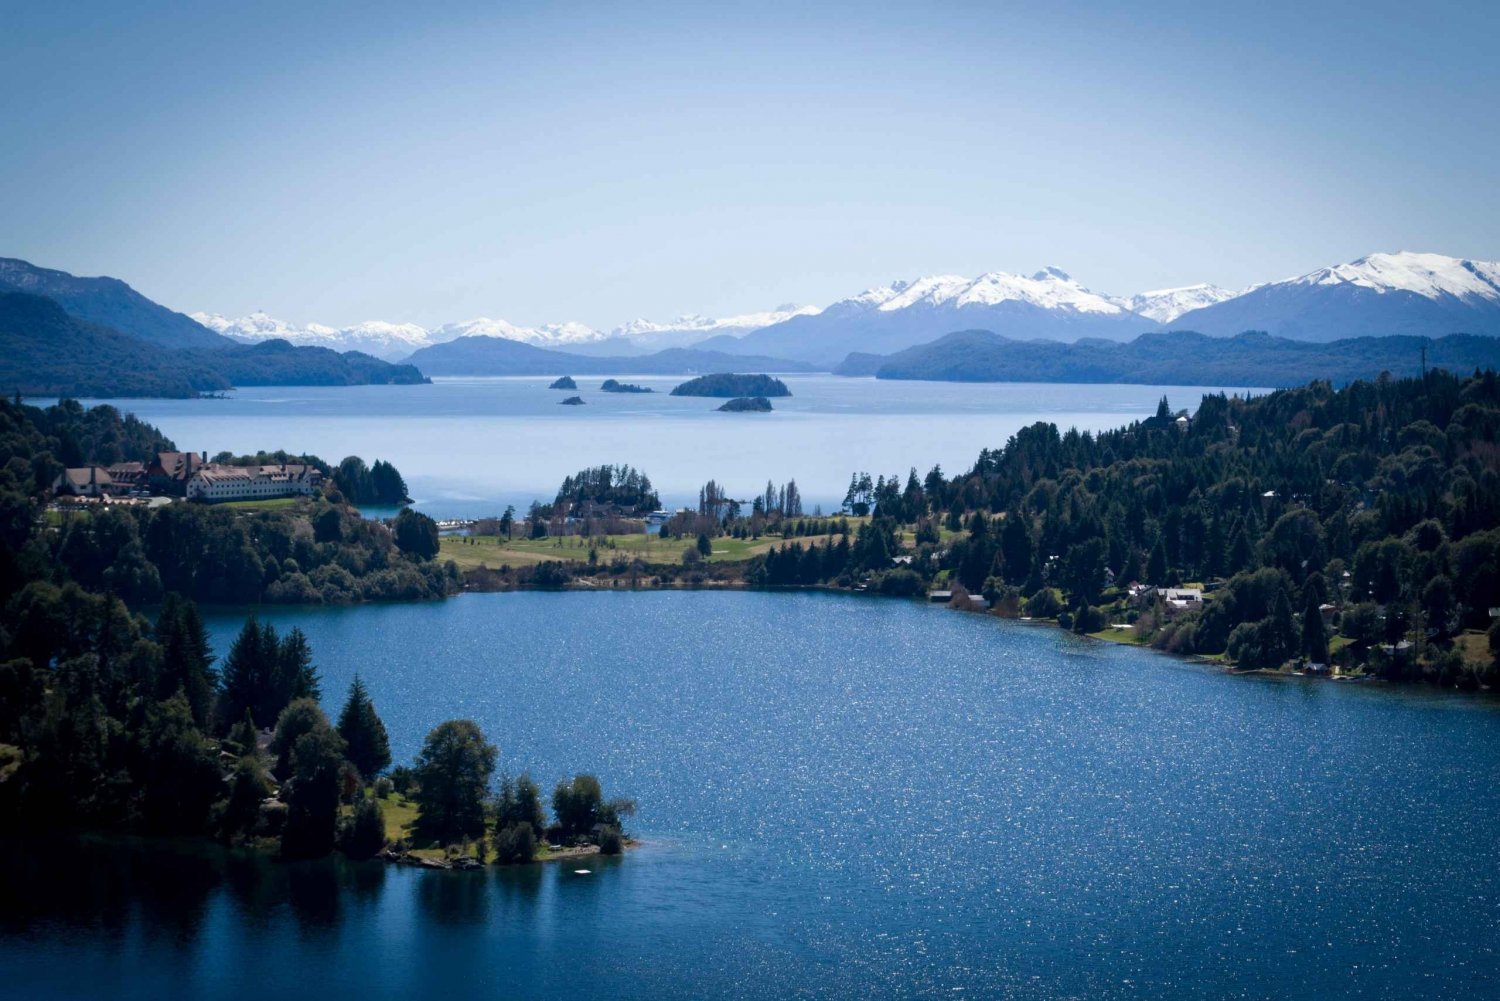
{"points": [[840, 796]]}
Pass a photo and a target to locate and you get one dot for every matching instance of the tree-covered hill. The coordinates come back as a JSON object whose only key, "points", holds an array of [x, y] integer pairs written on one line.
{"points": [[44, 351], [111, 303], [318, 551], [1177, 358]]}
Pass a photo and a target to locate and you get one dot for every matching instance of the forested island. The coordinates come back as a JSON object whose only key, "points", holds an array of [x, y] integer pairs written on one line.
{"points": [[616, 386], [747, 404], [728, 384]]}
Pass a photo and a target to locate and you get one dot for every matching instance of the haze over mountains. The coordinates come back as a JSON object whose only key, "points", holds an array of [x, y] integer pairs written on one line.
{"points": [[1402, 293], [896, 331]]}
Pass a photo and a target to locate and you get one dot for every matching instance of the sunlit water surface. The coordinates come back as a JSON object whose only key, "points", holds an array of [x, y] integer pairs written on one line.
{"points": [[840, 797]]}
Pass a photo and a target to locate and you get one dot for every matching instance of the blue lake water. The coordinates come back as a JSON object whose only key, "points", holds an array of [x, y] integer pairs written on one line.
{"points": [[469, 447], [841, 797]]}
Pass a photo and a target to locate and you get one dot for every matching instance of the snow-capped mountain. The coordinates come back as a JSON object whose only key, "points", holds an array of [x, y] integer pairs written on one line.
{"points": [[394, 341], [1167, 304], [390, 341], [1401, 293], [1050, 304], [552, 335], [1427, 295]]}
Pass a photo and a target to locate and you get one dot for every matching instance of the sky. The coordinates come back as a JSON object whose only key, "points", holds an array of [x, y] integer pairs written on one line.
{"points": [[541, 163]]}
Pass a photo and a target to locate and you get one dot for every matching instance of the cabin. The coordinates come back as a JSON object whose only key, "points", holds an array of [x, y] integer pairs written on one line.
{"points": [[83, 481]]}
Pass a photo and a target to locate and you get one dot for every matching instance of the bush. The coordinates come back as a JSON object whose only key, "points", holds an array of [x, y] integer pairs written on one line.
{"points": [[516, 845], [611, 841], [384, 787], [1044, 604], [364, 834], [902, 583]]}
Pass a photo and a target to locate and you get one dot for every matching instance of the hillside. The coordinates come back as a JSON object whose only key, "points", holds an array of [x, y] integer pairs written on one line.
{"points": [[1180, 358], [1049, 305], [111, 303], [501, 356], [46, 352], [1425, 295]]}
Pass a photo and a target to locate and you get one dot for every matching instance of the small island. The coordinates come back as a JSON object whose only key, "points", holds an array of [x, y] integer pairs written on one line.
{"points": [[573, 401], [566, 382], [747, 405], [616, 386], [728, 385]]}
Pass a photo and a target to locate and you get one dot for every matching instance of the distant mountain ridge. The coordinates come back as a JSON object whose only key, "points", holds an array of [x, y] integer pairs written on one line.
{"points": [[393, 341], [1174, 358], [110, 303], [61, 335], [490, 356], [1405, 293]]}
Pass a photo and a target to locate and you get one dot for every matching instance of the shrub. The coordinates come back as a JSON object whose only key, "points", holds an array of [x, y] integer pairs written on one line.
{"points": [[364, 834], [515, 845], [611, 841]]}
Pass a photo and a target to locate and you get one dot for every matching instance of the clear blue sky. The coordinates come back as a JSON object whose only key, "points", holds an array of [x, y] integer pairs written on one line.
{"points": [[348, 162]]}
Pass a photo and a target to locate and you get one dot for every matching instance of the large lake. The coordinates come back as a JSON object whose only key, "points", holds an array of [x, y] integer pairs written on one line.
{"points": [[841, 797], [469, 447]]}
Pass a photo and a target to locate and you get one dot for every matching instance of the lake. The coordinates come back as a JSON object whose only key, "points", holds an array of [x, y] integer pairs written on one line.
{"points": [[469, 447], [840, 797]]}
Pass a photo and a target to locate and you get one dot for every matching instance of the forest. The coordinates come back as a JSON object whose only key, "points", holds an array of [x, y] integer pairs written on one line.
{"points": [[1358, 527], [114, 720]]}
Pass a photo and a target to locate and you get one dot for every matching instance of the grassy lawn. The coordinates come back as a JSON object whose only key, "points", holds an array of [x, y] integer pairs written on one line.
{"points": [[268, 504], [469, 552], [1474, 645], [1119, 636]]}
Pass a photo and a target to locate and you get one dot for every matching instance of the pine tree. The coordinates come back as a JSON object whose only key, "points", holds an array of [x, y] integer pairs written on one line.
{"points": [[363, 731], [247, 674], [186, 658], [1314, 638], [1156, 565], [296, 677]]}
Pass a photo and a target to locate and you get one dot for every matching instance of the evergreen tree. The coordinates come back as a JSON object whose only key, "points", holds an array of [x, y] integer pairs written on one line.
{"points": [[312, 795], [1314, 637], [453, 776], [296, 677], [246, 682], [187, 660], [1156, 564], [363, 731]]}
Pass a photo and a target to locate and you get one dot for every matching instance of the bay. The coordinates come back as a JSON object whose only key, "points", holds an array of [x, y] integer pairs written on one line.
{"points": [[840, 796], [469, 447]]}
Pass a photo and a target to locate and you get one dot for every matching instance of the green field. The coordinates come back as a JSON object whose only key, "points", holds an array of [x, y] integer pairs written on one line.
{"points": [[470, 552], [268, 504]]}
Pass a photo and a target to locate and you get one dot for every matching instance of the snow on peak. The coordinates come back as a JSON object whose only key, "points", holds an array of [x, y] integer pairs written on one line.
{"points": [[1167, 304], [1432, 276], [377, 337], [548, 335], [1050, 288]]}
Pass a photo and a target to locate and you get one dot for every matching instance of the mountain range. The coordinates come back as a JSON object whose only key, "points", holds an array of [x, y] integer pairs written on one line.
{"points": [[393, 341], [64, 335], [1401, 293]]}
